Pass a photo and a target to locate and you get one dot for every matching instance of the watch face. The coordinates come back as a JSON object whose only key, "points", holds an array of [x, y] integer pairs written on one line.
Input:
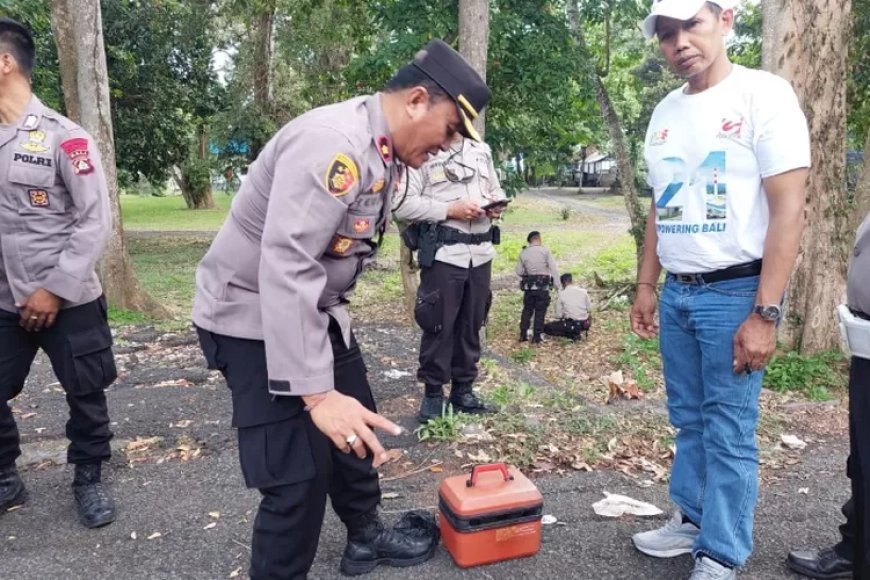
{"points": [[771, 312]]}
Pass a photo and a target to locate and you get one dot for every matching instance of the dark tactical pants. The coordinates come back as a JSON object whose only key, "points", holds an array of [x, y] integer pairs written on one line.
{"points": [[79, 346], [567, 327], [859, 464], [450, 310], [286, 457], [534, 302]]}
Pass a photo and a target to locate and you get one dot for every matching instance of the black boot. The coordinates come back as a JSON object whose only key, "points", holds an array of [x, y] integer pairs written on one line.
{"points": [[824, 564], [96, 507], [431, 407], [412, 541], [464, 400], [12, 492]]}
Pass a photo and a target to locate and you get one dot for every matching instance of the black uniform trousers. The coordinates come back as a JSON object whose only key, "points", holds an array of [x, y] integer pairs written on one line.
{"points": [[450, 310], [287, 458], [859, 462], [534, 302], [567, 327], [79, 346]]}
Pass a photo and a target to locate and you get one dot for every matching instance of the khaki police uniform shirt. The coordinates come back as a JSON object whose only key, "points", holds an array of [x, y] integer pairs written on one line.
{"points": [[302, 227], [438, 183], [55, 217], [858, 285], [573, 302], [536, 260]]}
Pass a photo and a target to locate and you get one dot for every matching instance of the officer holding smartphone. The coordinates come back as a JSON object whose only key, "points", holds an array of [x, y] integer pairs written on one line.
{"points": [[456, 193]]}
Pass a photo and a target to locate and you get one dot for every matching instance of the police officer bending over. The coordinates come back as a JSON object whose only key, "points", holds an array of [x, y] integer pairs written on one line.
{"points": [[54, 224], [270, 308], [537, 271], [447, 196], [572, 311]]}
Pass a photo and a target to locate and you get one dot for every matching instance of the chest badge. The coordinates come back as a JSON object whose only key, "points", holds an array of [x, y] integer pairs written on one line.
{"points": [[341, 245], [378, 186], [38, 198], [35, 142], [77, 151], [361, 225], [385, 149]]}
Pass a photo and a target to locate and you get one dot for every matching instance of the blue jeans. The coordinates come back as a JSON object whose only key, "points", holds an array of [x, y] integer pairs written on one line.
{"points": [[715, 472]]}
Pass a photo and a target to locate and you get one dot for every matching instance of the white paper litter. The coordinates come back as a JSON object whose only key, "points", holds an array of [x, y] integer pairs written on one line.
{"points": [[792, 442], [615, 505], [396, 374], [548, 520]]}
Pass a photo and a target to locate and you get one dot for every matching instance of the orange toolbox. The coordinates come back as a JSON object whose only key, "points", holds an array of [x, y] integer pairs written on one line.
{"points": [[493, 515]]}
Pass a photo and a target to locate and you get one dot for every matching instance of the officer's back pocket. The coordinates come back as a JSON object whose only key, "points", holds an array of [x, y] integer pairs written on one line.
{"points": [[93, 365], [429, 311]]}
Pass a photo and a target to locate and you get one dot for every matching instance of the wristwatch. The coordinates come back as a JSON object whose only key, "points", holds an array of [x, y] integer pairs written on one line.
{"points": [[768, 312]]}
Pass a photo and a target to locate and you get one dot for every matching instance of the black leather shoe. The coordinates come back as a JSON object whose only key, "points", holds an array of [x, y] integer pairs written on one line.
{"points": [[95, 505], [430, 408], [12, 492], [464, 400], [824, 564], [410, 542]]}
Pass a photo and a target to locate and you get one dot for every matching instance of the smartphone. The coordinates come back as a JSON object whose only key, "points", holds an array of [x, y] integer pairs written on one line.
{"points": [[496, 204]]}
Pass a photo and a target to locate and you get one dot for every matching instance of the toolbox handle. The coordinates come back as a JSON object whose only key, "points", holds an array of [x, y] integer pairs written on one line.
{"points": [[478, 469]]}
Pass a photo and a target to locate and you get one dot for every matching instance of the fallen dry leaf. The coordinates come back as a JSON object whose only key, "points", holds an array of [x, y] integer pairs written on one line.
{"points": [[183, 423]]}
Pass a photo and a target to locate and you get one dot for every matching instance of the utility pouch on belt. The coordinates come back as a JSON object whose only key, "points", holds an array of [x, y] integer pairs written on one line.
{"points": [[411, 236], [427, 244], [855, 331], [536, 282]]}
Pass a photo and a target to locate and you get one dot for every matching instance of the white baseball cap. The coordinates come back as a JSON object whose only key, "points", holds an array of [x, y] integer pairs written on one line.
{"points": [[677, 9]]}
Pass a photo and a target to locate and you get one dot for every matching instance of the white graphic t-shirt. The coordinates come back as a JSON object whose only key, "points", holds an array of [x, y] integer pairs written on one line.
{"points": [[707, 154]]}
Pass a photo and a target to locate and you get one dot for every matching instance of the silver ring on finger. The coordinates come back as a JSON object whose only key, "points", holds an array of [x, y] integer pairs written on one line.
{"points": [[351, 439]]}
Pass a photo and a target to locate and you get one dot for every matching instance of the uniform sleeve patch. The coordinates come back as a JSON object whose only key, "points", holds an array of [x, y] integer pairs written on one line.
{"points": [[341, 245], [77, 150], [342, 175], [38, 197]]}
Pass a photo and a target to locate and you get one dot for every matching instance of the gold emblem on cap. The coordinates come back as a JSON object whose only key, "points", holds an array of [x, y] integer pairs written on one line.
{"points": [[467, 106]]}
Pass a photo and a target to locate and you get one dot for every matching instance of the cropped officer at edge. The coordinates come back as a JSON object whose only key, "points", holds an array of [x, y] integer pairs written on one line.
{"points": [[55, 220], [270, 307]]}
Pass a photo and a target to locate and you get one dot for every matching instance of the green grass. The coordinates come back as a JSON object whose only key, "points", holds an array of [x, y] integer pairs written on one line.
{"points": [[641, 358], [165, 268], [812, 375], [171, 213]]}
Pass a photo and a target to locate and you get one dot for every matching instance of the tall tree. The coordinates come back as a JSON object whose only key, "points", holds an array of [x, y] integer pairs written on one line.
{"points": [[806, 42], [474, 42], [618, 141], [78, 30]]}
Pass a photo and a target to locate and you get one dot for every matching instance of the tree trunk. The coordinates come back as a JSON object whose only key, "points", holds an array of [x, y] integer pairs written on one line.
{"points": [[264, 22], [409, 269], [474, 42], [625, 168], [78, 29], [808, 45]]}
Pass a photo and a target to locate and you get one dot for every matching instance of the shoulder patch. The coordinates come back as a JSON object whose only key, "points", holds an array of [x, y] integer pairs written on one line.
{"points": [[77, 150], [342, 175]]}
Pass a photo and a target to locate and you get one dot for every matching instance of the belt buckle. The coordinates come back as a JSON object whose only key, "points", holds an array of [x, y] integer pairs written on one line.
{"points": [[687, 278]]}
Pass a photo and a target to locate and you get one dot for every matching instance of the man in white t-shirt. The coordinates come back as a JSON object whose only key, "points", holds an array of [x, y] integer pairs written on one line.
{"points": [[728, 156]]}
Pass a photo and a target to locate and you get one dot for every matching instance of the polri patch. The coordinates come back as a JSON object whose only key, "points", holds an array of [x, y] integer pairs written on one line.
{"points": [[342, 175], [38, 198], [341, 245], [77, 150], [32, 159]]}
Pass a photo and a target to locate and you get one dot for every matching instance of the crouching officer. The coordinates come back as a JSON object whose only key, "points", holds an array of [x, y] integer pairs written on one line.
{"points": [[54, 223], [447, 198], [572, 311], [270, 307], [849, 557], [537, 271]]}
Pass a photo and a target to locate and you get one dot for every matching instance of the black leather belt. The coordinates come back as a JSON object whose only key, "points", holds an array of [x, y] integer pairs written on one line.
{"points": [[738, 271], [859, 314], [449, 236]]}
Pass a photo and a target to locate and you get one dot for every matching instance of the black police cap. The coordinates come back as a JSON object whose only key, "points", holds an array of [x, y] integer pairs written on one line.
{"points": [[7, 24], [452, 73]]}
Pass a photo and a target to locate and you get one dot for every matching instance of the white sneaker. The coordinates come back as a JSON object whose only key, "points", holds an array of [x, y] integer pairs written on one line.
{"points": [[673, 539], [707, 569]]}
